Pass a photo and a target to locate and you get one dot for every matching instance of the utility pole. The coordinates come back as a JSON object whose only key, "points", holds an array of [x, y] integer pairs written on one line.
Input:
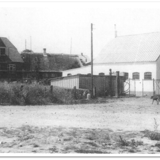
{"points": [[115, 30], [92, 60]]}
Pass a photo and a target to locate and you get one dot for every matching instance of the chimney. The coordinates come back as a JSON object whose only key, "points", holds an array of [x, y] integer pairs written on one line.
{"points": [[115, 30], [44, 52]]}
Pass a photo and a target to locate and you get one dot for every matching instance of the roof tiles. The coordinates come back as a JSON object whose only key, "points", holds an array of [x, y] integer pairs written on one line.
{"points": [[132, 48]]}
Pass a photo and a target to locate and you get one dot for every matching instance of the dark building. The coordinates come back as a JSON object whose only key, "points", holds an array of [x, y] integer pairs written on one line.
{"points": [[11, 63], [33, 66], [49, 65]]}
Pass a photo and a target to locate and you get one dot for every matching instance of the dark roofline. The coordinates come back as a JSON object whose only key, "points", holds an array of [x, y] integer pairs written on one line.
{"points": [[50, 71], [41, 53], [4, 37], [44, 71]]}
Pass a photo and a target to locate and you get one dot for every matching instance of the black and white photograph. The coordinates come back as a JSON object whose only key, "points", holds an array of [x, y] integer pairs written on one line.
{"points": [[79, 78]]}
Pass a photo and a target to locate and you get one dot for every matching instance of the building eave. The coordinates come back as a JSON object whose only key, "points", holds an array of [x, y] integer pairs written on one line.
{"points": [[113, 63]]}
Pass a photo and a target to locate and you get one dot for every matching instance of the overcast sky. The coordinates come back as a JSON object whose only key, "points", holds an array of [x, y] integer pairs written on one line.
{"points": [[65, 27]]}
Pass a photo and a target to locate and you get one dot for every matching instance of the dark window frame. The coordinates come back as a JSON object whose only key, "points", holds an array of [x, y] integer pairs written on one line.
{"points": [[11, 67], [45, 75], [147, 75], [2, 51], [126, 75], [53, 75], [135, 75]]}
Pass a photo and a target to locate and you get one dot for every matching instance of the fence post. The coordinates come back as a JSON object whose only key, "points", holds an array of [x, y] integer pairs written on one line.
{"points": [[110, 82], [74, 92], [157, 86], [142, 88], [129, 85], [117, 84], [135, 87], [51, 89], [94, 91], [153, 87]]}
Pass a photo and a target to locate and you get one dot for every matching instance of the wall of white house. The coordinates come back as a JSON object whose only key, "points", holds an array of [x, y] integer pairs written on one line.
{"points": [[122, 67], [87, 70], [158, 68], [139, 87]]}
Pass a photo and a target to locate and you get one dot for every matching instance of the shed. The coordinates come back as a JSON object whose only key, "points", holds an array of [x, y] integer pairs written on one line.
{"points": [[100, 82]]}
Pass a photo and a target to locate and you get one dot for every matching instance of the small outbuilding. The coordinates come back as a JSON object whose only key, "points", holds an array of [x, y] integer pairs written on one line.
{"points": [[103, 84]]}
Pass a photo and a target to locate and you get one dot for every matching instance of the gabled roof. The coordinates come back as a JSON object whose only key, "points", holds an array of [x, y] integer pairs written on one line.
{"points": [[132, 48], [12, 51]]}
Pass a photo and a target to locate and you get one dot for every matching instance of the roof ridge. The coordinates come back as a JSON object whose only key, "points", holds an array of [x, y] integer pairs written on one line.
{"points": [[137, 34], [4, 37]]}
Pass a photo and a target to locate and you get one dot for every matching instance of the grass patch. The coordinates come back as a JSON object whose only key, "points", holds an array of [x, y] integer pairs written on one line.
{"points": [[89, 151], [33, 94], [92, 144], [153, 135], [63, 95], [131, 143]]}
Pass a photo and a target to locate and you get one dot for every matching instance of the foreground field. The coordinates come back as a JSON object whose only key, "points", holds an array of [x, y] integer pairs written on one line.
{"points": [[115, 126]]}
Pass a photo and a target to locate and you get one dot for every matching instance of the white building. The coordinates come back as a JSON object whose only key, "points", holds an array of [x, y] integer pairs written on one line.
{"points": [[136, 55]]}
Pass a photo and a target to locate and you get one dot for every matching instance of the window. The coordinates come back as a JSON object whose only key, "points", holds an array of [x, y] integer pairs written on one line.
{"points": [[36, 59], [135, 75], [147, 75], [52, 75], [126, 75], [11, 67], [45, 75], [2, 51]]}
